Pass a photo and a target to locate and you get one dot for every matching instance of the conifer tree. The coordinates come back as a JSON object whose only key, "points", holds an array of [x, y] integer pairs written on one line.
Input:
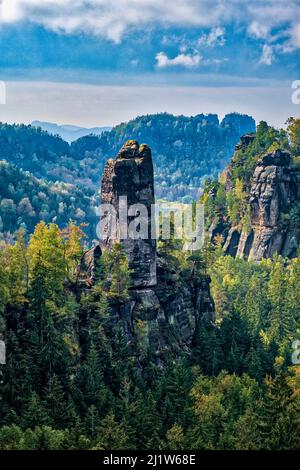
{"points": [[35, 413], [59, 408], [112, 435], [120, 279], [279, 420]]}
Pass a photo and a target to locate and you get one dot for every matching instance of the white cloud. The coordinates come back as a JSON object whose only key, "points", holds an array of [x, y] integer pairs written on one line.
{"points": [[216, 37], [258, 30], [112, 19], [277, 23], [295, 35], [184, 60], [267, 55]]}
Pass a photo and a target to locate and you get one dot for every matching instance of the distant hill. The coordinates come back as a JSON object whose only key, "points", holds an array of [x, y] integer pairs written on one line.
{"points": [[186, 150], [68, 132], [25, 200], [44, 177]]}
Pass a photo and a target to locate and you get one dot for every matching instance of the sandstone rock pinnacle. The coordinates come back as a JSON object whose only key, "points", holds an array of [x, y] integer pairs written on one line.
{"points": [[130, 175]]}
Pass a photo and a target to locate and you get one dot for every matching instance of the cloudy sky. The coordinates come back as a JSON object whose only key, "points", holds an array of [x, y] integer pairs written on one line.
{"points": [[99, 62]]}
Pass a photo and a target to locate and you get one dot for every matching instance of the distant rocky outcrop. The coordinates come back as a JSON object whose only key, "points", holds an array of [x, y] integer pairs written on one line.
{"points": [[274, 189]]}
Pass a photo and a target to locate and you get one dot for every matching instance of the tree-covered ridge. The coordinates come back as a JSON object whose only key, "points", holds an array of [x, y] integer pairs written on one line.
{"points": [[47, 156], [26, 200], [231, 201], [70, 381], [30, 148], [185, 150]]}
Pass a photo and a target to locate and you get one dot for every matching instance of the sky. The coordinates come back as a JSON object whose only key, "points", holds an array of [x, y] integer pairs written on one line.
{"points": [[99, 62]]}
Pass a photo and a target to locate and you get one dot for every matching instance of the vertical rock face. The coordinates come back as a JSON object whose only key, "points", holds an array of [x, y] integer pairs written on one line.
{"points": [[165, 306], [130, 176], [274, 189]]}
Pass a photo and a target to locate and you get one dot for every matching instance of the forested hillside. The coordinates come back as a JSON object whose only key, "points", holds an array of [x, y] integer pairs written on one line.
{"points": [[254, 207], [93, 362], [71, 382], [186, 150], [47, 156], [26, 200]]}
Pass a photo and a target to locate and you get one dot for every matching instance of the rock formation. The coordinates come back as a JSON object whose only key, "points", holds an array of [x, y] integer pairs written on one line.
{"points": [[273, 192], [88, 265], [130, 176], [165, 307], [274, 188]]}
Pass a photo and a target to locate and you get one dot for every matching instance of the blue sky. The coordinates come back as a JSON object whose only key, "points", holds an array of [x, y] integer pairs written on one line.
{"points": [[93, 62]]}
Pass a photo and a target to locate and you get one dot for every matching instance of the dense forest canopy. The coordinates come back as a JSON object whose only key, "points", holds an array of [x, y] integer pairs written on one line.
{"points": [[70, 383], [186, 150], [26, 200], [70, 380]]}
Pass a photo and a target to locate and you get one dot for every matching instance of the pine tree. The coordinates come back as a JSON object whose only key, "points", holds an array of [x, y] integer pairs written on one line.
{"points": [[14, 263], [77, 438], [89, 388], [58, 407], [120, 278], [279, 420], [177, 385], [293, 130], [207, 349], [210, 415], [10, 437], [146, 421], [35, 413], [4, 289], [47, 265], [282, 323], [175, 439], [112, 435], [73, 250], [253, 364], [17, 380]]}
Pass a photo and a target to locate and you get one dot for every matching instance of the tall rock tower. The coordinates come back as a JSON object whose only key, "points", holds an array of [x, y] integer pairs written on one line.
{"points": [[164, 307], [129, 179]]}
